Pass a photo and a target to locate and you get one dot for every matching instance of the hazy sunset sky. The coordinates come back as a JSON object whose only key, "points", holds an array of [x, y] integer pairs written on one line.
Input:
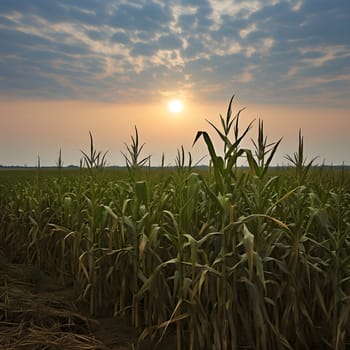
{"points": [[67, 67]]}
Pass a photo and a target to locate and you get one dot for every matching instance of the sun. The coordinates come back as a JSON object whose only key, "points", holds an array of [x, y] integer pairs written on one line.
{"points": [[175, 106]]}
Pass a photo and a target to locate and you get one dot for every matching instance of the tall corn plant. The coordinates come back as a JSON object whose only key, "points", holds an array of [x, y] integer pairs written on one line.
{"points": [[229, 280], [263, 151], [299, 160], [224, 167], [59, 162], [133, 156], [333, 288], [94, 159]]}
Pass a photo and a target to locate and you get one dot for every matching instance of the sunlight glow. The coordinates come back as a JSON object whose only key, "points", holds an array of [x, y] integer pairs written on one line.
{"points": [[175, 106]]}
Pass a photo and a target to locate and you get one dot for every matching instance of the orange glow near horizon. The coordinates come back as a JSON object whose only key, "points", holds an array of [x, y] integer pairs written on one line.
{"points": [[32, 128]]}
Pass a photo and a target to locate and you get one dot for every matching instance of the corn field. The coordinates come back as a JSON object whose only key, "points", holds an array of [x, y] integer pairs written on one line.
{"points": [[224, 258]]}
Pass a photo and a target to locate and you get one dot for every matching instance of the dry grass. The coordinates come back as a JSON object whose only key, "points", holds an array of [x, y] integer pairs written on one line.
{"points": [[36, 313], [33, 317]]}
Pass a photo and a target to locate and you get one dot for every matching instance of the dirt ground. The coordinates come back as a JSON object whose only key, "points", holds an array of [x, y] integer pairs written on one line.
{"points": [[36, 313]]}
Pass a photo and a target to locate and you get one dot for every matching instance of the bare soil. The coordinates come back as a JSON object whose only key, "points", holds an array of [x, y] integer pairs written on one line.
{"points": [[37, 313]]}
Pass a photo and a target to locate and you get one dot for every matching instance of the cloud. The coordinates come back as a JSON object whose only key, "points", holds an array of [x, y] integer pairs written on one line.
{"points": [[149, 17], [91, 49]]}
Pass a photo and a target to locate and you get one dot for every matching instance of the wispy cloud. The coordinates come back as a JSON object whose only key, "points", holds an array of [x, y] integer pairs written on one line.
{"points": [[109, 50], [318, 56]]}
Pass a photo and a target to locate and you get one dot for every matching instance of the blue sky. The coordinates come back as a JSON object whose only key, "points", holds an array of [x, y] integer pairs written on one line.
{"points": [[287, 61], [270, 51]]}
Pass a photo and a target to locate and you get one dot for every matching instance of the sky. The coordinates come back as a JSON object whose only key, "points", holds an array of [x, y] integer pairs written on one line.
{"points": [[69, 67]]}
